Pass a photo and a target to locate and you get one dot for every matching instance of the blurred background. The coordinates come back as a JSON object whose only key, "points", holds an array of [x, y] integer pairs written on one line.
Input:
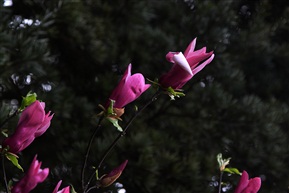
{"points": [[72, 53]]}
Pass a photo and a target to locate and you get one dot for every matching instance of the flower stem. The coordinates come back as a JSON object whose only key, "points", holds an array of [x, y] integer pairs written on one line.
{"points": [[4, 173], [87, 154], [220, 182]]}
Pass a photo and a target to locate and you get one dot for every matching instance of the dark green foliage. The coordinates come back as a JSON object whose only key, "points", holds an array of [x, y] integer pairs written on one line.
{"points": [[74, 52]]}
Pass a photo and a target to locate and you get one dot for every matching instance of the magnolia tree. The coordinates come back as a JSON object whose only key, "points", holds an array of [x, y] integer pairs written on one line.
{"points": [[35, 120]]}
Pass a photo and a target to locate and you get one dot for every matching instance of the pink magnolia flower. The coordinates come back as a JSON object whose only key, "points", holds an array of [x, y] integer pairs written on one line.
{"points": [[33, 122], [185, 66], [32, 177], [129, 89], [64, 190], [247, 185], [108, 179]]}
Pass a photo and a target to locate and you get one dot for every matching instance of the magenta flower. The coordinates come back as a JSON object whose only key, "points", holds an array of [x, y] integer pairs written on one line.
{"points": [[33, 122], [247, 185], [64, 190], [108, 179], [129, 89], [185, 66], [33, 176]]}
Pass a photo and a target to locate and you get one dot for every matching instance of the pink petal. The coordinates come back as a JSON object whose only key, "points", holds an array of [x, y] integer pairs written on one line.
{"points": [[128, 89], [253, 186], [182, 62], [243, 183], [191, 47], [42, 175], [195, 59], [65, 190], [133, 88], [175, 78], [32, 115], [57, 187], [25, 143], [42, 104], [118, 169], [201, 66], [119, 88], [127, 73], [45, 125], [170, 56]]}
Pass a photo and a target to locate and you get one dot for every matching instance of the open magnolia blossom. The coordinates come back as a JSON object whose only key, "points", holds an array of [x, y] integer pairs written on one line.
{"points": [[128, 89], [33, 122], [185, 66], [64, 190], [247, 185], [108, 179], [32, 177]]}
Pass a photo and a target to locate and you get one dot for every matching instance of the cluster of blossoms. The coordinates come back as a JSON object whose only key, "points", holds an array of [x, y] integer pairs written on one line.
{"points": [[34, 121]]}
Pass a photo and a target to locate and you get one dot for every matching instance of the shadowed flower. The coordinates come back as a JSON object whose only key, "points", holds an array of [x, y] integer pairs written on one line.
{"points": [[32, 177], [33, 122], [108, 179], [129, 89], [247, 185], [64, 190], [185, 66]]}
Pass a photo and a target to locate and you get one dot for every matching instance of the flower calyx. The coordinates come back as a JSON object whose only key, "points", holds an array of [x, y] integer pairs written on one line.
{"points": [[174, 93], [112, 114]]}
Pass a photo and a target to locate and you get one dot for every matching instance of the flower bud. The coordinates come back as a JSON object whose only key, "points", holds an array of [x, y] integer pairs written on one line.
{"points": [[33, 122], [108, 179], [128, 89]]}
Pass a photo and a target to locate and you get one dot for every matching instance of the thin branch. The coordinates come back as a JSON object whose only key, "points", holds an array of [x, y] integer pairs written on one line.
{"points": [[4, 173], [220, 182], [91, 188], [87, 153]]}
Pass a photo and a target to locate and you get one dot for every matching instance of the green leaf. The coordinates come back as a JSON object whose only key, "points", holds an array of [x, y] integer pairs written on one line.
{"points": [[4, 132], [110, 108], [27, 100], [115, 123], [232, 171], [10, 185], [14, 159], [96, 174], [136, 108], [72, 190]]}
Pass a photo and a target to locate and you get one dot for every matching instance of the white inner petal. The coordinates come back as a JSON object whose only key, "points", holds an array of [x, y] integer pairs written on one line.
{"points": [[182, 62]]}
